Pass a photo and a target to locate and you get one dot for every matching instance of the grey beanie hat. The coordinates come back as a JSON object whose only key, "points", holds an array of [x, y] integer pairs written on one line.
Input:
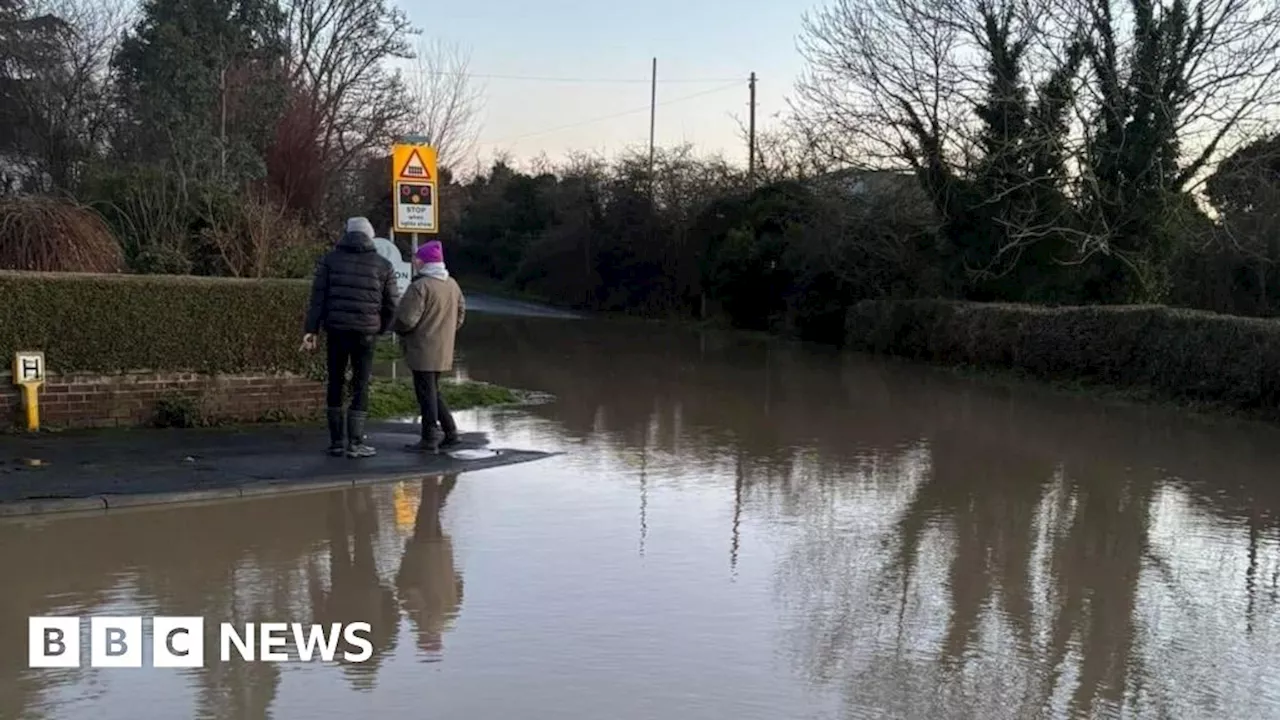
{"points": [[360, 225]]}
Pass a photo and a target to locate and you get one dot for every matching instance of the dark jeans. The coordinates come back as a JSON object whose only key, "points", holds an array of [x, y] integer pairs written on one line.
{"points": [[426, 385], [354, 349]]}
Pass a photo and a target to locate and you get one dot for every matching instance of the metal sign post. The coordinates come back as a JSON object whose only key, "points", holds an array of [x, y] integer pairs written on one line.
{"points": [[28, 373]]}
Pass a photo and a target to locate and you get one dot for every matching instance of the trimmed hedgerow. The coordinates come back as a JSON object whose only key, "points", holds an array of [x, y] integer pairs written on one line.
{"points": [[1180, 355], [113, 323]]}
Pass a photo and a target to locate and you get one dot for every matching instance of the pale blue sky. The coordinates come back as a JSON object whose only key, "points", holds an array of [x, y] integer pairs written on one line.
{"points": [[692, 39]]}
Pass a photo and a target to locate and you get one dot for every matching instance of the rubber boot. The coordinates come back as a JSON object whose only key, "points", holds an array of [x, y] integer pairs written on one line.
{"points": [[450, 428], [337, 445], [356, 447], [429, 444], [431, 438]]}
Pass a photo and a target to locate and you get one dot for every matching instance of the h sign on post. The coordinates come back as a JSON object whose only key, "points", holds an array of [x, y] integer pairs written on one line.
{"points": [[414, 189], [28, 373], [28, 368]]}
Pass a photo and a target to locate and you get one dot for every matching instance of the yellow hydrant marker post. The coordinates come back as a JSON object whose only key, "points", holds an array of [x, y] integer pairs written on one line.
{"points": [[28, 373]]}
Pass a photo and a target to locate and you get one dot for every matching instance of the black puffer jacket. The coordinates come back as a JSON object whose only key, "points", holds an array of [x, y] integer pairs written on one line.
{"points": [[354, 289]]}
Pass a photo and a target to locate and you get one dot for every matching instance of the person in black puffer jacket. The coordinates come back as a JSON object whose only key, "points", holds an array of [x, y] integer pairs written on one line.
{"points": [[353, 298]]}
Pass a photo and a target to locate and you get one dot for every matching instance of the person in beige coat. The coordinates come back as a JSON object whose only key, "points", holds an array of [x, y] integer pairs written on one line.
{"points": [[427, 321]]}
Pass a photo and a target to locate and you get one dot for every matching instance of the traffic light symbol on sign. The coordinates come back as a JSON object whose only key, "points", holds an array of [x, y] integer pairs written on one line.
{"points": [[415, 194]]}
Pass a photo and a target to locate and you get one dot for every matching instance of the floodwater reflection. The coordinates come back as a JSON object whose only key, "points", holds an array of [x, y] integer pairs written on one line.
{"points": [[307, 558], [429, 585], [355, 593], [739, 528]]}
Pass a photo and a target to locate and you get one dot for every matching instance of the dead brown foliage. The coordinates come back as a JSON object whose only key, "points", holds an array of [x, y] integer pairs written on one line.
{"points": [[52, 235], [256, 237]]}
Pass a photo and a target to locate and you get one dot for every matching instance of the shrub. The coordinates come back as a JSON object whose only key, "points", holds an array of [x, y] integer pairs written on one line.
{"points": [[1182, 355], [180, 411], [111, 323], [53, 235], [150, 210], [255, 237]]}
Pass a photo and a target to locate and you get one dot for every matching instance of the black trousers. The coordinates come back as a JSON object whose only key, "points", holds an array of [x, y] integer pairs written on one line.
{"points": [[352, 349], [426, 385]]}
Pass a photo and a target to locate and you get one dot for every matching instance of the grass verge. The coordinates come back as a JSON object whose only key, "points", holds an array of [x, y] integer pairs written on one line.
{"points": [[386, 350], [395, 398]]}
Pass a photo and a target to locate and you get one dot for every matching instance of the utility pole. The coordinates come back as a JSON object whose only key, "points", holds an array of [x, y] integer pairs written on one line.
{"points": [[751, 132], [653, 115], [222, 132]]}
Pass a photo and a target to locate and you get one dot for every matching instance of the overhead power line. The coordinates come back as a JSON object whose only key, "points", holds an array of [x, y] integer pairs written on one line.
{"points": [[624, 113], [537, 78]]}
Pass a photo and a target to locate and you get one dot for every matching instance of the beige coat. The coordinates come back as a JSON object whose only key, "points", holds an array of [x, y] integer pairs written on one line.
{"points": [[427, 320]]}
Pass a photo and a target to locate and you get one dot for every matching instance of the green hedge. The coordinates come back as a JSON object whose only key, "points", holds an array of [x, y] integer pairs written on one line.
{"points": [[109, 323], [1180, 355]]}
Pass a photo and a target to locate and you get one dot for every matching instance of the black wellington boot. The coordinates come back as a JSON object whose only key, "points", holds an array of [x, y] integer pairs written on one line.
{"points": [[337, 446], [429, 444], [356, 447]]}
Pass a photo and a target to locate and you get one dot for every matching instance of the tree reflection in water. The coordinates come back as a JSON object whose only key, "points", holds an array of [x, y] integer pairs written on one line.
{"points": [[960, 549]]}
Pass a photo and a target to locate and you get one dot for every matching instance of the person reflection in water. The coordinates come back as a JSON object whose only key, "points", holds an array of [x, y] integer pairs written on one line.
{"points": [[427, 321], [355, 592], [429, 585]]}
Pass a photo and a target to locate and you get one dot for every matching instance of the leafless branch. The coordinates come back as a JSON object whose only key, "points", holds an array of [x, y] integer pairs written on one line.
{"points": [[339, 54], [446, 101]]}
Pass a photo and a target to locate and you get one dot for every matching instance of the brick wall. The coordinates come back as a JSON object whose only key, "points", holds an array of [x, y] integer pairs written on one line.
{"points": [[132, 399]]}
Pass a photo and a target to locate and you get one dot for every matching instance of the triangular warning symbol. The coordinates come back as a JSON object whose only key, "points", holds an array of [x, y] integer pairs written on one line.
{"points": [[414, 168]]}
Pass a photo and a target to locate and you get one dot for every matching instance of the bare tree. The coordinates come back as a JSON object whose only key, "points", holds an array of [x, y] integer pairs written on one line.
{"points": [[446, 102], [944, 89], [896, 82], [251, 240], [787, 151], [1158, 92], [883, 83], [339, 58], [1217, 90], [60, 106], [1174, 88]]}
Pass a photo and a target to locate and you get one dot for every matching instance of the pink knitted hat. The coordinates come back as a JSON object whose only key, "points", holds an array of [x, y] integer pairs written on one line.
{"points": [[432, 252]]}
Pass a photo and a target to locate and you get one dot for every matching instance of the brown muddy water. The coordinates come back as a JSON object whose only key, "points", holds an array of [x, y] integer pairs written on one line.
{"points": [[738, 529]]}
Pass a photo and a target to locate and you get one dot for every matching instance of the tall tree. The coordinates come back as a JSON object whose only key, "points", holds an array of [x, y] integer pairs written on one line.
{"points": [[944, 89], [66, 99], [1245, 191], [29, 45], [1173, 84], [1170, 86], [202, 84]]}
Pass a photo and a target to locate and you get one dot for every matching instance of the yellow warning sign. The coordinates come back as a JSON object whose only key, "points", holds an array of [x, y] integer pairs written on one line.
{"points": [[414, 168], [414, 189]]}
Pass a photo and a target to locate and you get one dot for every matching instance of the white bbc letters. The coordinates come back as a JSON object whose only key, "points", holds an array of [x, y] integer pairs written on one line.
{"points": [[115, 642], [53, 642], [177, 642]]}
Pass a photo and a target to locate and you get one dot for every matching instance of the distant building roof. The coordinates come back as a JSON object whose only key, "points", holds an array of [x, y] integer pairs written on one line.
{"points": [[864, 182]]}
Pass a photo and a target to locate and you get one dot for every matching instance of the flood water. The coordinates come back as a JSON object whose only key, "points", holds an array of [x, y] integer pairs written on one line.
{"points": [[738, 528]]}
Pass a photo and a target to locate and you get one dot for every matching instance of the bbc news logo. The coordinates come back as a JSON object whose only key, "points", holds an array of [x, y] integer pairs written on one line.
{"points": [[178, 642]]}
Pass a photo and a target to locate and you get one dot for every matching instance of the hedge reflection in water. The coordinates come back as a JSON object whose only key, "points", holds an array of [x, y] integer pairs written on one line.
{"points": [[946, 549], [1082, 544]]}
